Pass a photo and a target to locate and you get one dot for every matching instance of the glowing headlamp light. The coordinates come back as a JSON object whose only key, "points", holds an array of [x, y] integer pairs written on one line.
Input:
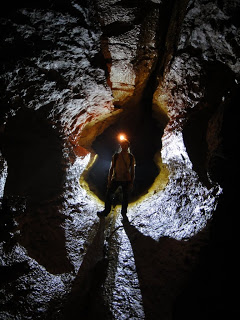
{"points": [[122, 137]]}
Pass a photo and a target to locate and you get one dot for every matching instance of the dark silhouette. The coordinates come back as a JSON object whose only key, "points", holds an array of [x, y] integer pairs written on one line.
{"points": [[164, 267], [85, 300], [32, 194], [121, 174]]}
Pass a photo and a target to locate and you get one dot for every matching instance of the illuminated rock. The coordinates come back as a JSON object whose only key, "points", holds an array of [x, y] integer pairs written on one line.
{"points": [[73, 75]]}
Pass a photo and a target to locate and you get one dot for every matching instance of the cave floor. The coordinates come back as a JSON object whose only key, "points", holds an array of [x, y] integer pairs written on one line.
{"points": [[60, 260]]}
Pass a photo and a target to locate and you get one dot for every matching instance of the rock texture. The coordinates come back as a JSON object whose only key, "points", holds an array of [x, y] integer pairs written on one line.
{"points": [[75, 73]]}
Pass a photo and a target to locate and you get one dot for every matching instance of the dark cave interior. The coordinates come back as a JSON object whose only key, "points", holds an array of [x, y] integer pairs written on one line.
{"points": [[204, 123], [144, 133], [33, 150], [211, 288]]}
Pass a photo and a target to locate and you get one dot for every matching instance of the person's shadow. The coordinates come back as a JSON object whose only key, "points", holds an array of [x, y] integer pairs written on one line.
{"points": [[85, 301], [163, 269]]}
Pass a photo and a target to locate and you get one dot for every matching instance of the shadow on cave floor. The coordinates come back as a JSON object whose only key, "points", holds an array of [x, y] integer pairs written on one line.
{"points": [[182, 279], [164, 269], [32, 194], [144, 134], [85, 300]]}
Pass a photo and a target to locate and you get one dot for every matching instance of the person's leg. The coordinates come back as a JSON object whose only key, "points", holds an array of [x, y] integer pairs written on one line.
{"points": [[109, 197], [125, 191]]}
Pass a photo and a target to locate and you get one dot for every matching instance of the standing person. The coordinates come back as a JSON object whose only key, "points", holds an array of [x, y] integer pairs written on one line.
{"points": [[121, 173]]}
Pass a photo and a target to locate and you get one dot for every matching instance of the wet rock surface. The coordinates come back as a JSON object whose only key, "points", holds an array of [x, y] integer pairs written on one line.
{"points": [[70, 71]]}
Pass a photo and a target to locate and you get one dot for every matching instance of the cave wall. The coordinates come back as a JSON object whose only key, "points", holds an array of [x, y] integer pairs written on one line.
{"points": [[142, 44], [70, 70], [208, 80]]}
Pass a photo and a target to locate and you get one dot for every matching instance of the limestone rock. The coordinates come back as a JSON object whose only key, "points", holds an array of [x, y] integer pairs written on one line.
{"points": [[72, 74]]}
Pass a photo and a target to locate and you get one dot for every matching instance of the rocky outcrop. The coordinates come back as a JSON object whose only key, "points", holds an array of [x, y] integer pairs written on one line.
{"points": [[202, 75], [73, 74]]}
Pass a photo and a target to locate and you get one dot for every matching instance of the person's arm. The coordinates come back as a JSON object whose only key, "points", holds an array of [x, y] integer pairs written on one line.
{"points": [[110, 174], [133, 164]]}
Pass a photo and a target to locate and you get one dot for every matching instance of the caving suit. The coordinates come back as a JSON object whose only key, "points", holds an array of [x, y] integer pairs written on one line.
{"points": [[122, 176]]}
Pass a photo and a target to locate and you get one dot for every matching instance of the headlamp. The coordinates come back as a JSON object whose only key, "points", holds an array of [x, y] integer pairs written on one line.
{"points": [[122, 137]]}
